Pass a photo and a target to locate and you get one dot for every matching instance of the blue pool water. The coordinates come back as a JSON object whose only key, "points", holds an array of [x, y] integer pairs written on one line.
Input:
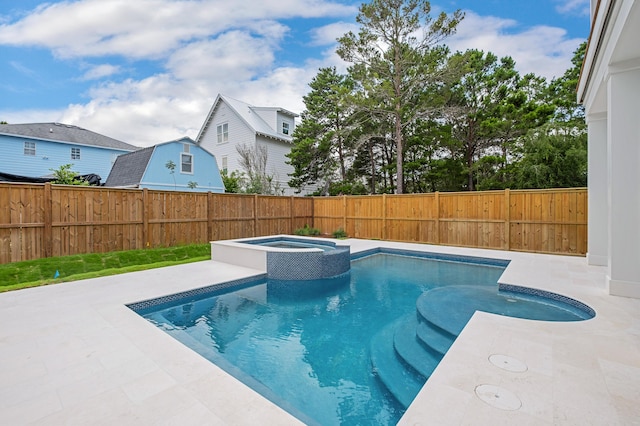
{"points": [[291, 243], [345, 350]]}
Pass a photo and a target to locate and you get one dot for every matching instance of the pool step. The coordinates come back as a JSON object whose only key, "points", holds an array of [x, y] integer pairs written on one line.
{"points": [[434, 338], [401, 382], [446, 309], [411, 350]]}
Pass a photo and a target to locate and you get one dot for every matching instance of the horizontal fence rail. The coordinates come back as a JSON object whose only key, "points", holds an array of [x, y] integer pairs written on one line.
{"points": [[44, 220]]}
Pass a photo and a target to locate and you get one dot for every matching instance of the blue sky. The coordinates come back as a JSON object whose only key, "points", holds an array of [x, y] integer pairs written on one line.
{"points": [[147, 71]]}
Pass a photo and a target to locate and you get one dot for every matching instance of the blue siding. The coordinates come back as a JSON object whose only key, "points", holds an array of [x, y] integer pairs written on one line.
{"points": [[52, 155], [205, 170]]}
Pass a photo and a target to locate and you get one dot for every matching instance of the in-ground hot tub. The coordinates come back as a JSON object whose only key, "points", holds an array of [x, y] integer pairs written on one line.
{"points": [[285, 257]]}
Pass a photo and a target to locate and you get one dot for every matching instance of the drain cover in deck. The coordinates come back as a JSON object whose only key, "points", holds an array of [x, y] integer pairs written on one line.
{"points": [[498, 397]]}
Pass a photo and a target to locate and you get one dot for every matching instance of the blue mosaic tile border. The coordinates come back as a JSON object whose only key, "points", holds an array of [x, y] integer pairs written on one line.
{"points": [[304, 265], [431, 255], [585, 309], [196, 293]]}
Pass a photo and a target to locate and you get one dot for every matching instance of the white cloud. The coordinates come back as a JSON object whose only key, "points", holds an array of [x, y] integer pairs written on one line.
{"points": [[147, 28], [234, 55], [31, 116], [576, 7], [327, 35], [23, 69], [543, 50], [96, 72]]}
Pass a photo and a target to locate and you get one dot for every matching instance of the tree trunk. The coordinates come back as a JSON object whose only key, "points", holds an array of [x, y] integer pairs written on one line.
{"points": [[399, 152]]}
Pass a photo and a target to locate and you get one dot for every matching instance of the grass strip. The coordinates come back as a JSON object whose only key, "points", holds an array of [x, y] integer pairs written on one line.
{"points": [[33, 273]]}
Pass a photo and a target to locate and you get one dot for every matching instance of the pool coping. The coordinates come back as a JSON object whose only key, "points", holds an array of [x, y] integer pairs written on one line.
{"points": [[74, 353]]}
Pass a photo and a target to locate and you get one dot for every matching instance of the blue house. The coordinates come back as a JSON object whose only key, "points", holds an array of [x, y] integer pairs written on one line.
{"points": [[38, 148], [193, 168]]}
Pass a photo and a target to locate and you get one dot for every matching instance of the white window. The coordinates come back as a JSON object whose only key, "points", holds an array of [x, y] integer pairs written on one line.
{"points": [[225, 162], [75, 153], [186, 163], [223, 133], [29, 148], [285, 128], [185, 147]]}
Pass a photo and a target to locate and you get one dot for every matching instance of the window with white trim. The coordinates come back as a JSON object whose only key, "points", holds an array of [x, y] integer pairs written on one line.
{"points": [[186, 163], [225, 162], [29, 148], [223, 133], [186, 147], [75, 153], [285, 128]]}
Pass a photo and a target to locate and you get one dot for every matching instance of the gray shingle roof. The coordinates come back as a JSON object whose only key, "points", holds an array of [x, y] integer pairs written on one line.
{"points": [[58, 132], [129, 169]]}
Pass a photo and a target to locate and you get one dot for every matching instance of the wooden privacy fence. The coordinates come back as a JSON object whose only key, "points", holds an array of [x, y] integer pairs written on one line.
{"points": [[544, 221], [43, 220]]}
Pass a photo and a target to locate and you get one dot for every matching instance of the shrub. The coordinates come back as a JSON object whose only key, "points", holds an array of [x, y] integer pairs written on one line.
{"points": [[307, 231], [339, 233]]}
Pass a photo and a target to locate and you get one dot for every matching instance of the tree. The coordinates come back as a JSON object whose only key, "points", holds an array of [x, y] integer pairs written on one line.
{"points": [[321, 143], [491, 107], [254, 163], [233, 182], [562, 91], [555, 156], [395, 57], [552, 158], [65, 176], [171, 166]]}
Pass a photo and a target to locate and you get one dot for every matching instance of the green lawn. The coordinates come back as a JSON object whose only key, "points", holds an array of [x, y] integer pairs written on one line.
{"points": [[32, 273]]}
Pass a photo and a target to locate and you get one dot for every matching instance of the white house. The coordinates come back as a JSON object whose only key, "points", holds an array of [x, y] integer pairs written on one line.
{"points": [[609, 88], [232, 123]]}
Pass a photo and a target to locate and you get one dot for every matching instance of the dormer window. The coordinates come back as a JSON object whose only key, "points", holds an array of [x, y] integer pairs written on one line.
{"points": [[285, 128]]}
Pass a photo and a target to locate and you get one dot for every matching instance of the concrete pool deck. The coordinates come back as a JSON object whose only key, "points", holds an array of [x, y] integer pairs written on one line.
{"points": [[73, 353]]}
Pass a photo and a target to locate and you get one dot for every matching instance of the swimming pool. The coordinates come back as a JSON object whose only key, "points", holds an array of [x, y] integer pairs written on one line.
{"points": [[334, 356]]}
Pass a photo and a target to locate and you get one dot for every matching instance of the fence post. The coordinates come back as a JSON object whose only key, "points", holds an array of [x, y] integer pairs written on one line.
{"points": [[255, 215], [48, 217], [437, 201], [507, 219], [209, 216], [291, 225], [384, 217], [145, 217], [344, 213]]}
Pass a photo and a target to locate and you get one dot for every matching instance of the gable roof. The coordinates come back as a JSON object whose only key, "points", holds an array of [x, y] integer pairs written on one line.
{"points": [[247, 113], [64, 133]]}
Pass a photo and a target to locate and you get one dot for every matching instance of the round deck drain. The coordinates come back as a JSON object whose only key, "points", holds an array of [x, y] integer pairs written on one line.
{"points": [[508, 363], [498, 397]]}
